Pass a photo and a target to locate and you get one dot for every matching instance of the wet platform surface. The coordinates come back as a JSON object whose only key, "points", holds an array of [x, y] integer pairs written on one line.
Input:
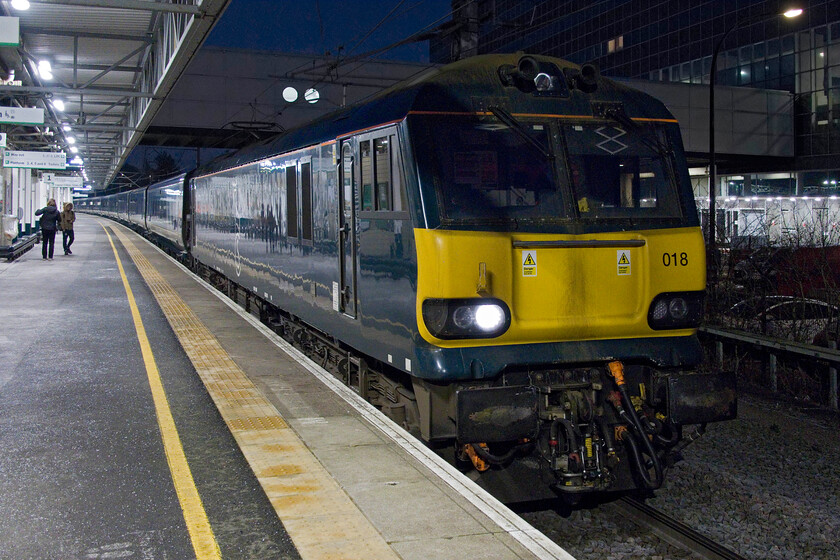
{"points": [[179, 427]]}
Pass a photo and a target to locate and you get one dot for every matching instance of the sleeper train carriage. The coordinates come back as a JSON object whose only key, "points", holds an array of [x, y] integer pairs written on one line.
{"points": [[503, 254]]}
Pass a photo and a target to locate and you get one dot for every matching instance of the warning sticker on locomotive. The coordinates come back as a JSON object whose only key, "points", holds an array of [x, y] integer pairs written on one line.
{"points": [[529, 263], [623, 263]]}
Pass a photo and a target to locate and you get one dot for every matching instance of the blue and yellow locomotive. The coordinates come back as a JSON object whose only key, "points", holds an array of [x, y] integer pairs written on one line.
{"points": [[503, 254]]}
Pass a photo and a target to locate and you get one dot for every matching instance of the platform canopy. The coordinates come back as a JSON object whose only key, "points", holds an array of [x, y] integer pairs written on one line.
{"points": [[110, 65]]}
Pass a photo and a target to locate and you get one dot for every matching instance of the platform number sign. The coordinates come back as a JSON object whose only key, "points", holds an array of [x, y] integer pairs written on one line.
{"points": [[623, 260], [529, 263]]}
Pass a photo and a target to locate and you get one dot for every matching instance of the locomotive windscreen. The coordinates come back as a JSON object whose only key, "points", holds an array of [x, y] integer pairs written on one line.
{"points": [[617, 173], [485, 170], [530, 170]]}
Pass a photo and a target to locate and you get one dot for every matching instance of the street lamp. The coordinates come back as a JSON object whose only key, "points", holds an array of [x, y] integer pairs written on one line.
{"points": [[789, 13]]}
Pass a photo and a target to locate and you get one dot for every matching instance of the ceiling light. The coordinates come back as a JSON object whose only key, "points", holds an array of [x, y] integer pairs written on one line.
{"points": [[312, 95], [290, 94], [793, 12], [45, 69], [74, 149], [58, 104], [20, 4], [66, 127], [71, 140]]}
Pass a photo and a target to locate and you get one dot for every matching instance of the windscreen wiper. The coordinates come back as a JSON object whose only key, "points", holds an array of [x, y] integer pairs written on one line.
{"points": [[520, 130]]}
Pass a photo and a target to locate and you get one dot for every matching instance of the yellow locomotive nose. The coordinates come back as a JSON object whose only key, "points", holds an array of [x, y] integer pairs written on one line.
{"points": [[561, 287]]}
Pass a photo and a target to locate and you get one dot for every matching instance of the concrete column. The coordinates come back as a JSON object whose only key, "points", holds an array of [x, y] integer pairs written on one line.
{"points": [[832, 379]]}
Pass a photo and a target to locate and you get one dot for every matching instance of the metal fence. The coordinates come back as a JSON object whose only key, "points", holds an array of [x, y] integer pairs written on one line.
{"points": [[774, 348]]}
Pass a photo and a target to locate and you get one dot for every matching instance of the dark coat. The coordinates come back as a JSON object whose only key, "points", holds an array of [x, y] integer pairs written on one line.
{"points": [[50, 217]]}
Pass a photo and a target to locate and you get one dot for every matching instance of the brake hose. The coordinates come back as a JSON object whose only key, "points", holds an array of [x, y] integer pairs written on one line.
{"points": [[617, 371]]}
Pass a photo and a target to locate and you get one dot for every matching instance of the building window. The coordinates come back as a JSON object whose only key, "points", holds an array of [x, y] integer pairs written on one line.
{"points": [[615, 45]]}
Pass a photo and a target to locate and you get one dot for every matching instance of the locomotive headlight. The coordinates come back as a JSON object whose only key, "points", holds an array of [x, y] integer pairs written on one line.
{"points": [[678, 310], [660, 310], [490, 317], [466, 318]]}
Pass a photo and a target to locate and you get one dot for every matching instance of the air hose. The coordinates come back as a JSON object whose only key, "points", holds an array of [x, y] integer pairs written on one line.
{"points": [[498, 459], [617, 371]]}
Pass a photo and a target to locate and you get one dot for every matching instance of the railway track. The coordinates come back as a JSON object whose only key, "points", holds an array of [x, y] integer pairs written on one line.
{"points": [[672, 531]]}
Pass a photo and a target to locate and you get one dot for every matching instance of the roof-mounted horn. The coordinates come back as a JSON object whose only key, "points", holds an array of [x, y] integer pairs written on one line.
{"points": [[530, 75]]}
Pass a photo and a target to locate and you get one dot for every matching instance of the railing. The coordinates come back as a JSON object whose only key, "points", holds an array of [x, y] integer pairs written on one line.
{"points": [[775, 347]]}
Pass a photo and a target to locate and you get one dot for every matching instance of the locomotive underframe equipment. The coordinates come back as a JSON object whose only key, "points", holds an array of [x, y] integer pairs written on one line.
{"points": [[584, 422]]}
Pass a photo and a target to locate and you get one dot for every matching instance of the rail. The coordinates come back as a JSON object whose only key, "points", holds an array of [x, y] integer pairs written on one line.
{"points": [[672, 531], [776, 346]]}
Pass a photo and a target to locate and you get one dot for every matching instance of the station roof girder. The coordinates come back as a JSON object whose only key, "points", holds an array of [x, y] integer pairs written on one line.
{"points": [[113, 63]]}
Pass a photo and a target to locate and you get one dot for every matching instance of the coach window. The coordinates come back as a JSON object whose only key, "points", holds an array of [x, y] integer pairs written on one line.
{"points": [[291, 201], [383, 173], [367, 175], [306, 200], [398, 202]]}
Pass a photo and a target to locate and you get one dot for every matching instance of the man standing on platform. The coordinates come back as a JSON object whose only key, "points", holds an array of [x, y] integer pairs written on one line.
{"points": [[67, 219]]}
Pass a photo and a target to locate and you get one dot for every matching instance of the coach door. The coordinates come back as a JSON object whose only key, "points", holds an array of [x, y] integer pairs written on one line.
{"points": [[347, 232]]}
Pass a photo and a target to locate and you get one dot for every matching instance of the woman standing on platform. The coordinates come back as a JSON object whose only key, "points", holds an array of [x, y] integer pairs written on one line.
{"points": [[67, 219], [50, 217]]}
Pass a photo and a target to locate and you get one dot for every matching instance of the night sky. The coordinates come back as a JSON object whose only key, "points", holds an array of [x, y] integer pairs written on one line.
{"points": [[318, 26]]}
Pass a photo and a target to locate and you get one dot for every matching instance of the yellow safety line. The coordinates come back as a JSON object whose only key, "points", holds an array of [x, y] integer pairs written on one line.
{"points": [[321, 519], [201, 534]]}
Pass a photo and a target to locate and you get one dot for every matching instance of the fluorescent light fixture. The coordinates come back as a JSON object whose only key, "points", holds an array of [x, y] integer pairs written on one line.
{"points": [[74, 149], [58, 104], [45, 69], [71, 140], [66, 127], [793, 12], [20, 4], [76, 161], [312, 95]]}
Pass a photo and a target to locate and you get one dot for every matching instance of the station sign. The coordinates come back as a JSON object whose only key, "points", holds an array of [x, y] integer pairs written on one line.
{"points": [[21, 115], [9, 31], [35, 160], [63, 181]]}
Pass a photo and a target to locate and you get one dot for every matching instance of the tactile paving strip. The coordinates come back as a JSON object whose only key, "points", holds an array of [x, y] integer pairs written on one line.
{"points": [[319, 516]]}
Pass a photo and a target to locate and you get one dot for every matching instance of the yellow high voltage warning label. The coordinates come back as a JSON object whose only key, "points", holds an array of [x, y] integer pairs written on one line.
{"points": [[623, 263], [529, 263]]}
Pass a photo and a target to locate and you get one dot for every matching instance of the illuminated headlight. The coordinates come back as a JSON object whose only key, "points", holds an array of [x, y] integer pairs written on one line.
{"points": [[677, 310], [466, 318]]}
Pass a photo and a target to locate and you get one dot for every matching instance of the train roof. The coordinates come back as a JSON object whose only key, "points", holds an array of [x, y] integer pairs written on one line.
{"points": [[462, 86]]}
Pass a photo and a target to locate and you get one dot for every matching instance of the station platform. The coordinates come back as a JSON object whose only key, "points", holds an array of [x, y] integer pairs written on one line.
{"points": [[144, 415]]}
